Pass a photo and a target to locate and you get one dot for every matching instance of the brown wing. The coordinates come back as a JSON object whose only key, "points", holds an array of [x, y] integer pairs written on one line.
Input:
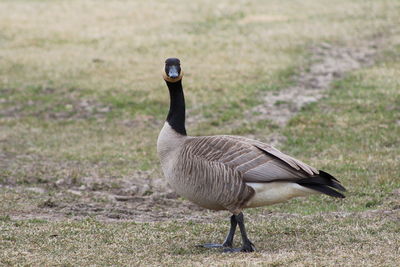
{"points": [[256, 161]]}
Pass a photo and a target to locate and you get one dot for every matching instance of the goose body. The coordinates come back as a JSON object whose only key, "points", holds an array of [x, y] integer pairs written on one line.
{"points": [[231, 173], [225, 172]]}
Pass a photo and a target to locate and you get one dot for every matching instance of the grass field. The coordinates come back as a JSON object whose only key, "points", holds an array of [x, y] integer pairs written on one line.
{"points": [[82, 101]]}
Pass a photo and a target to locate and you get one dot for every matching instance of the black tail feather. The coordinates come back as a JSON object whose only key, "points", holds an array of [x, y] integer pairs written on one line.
{"points": [[325, 189], [334, 180], [324, 183]]}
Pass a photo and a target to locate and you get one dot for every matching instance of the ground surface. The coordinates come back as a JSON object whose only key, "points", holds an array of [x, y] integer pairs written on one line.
{"points": [[82, 101]]}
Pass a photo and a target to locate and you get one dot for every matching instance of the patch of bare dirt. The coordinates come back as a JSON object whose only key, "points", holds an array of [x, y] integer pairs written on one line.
{"points": [[75, 190], [107, 206], [329, 62], [157, 207]]}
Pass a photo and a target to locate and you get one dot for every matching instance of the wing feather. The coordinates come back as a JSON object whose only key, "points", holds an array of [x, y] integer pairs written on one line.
{"points": [[256, 161]]}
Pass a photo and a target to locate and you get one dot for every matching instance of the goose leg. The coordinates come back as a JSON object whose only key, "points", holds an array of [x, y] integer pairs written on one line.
{"points": [[247, 246], [229, 238]]}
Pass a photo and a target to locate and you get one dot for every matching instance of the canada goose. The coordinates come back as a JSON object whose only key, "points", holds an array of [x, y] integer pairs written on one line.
{"points": [[230, 172]]}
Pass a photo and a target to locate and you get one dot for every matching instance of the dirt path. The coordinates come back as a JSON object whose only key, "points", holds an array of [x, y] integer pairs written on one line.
{"points": [[328, 63]]}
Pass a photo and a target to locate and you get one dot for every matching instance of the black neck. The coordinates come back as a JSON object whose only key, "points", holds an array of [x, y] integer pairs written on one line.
{"points": [[176, 114]]}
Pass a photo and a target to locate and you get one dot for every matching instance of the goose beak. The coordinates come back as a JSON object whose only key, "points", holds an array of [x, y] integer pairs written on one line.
{"points": [[173, 72]]}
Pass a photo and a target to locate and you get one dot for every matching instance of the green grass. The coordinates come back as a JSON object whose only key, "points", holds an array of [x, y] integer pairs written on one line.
{"points": [[82, 100]]}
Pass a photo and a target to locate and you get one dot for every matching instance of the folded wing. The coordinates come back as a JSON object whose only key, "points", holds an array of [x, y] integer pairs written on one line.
{"points": [[261, 163]]}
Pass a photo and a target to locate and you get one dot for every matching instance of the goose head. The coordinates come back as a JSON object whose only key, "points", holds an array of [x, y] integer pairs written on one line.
{"points": [[172, 71]]}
